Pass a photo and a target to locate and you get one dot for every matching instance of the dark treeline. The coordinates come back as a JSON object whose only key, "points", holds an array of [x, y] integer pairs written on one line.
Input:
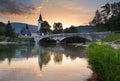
{"points": [[7, 30], [107, 18], [57, 28]]}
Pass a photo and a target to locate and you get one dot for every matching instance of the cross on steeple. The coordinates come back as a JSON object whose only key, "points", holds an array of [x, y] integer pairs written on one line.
{"points": [[40, 18], [40, 21]]}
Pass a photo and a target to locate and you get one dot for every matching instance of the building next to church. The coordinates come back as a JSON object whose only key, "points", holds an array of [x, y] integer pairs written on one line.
{"points": [[28, 32]]}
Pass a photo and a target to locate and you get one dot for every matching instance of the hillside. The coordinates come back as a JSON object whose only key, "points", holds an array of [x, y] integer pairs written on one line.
{"points": [[19, 26], [85, 28]]}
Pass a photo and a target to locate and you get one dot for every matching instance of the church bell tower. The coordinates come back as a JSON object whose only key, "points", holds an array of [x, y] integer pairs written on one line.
{"points": [[40, 21]]}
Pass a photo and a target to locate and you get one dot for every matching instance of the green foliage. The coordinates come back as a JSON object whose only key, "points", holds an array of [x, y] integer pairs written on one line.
{"points": [[117, 42], [113, 24], [27, 26], [97, 18], [2, 28], [9, 31], [2, 38], [107, 18], [58, 28], [113, 37], [7, 51], [104, 61], [45, 28], [20, 39], [72, 29]]}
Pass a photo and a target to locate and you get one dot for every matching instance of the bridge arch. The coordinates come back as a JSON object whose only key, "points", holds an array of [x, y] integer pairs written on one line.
{"points": [[92, 36], [74, 39], [47, 40]]}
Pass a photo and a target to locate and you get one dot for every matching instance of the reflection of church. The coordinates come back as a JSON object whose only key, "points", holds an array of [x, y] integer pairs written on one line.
{"points": [[43, 58], [40, 62]]}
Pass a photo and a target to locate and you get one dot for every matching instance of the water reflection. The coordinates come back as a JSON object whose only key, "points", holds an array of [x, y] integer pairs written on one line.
{"points": [[50, 62], [7, 51], [57, 52], [44, 52]]}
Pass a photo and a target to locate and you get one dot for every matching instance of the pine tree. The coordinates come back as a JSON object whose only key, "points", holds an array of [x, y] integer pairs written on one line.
{"points": [[9, 31], [108, 18]]}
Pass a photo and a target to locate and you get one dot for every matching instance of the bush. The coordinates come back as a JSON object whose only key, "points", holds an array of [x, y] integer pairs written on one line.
{"points": [[112, 37], [104, 61], [2, 38], [117, 42], [20, 39]]}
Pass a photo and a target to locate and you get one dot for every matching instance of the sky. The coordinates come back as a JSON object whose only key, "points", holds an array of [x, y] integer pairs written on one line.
{"points": [[68, 12]]}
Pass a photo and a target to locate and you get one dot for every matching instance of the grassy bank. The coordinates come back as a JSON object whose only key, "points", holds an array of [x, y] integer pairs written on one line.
{"points": [[113, 37], [20, 39], [17, 40], [2, 38], [104, 61]]}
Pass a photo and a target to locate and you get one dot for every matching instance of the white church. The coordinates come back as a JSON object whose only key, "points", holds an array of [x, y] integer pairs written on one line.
{"points": [[40, 21], [29, 33]]}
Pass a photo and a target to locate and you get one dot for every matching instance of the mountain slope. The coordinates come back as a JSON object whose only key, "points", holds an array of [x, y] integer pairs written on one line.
{"points": [[85, 28], [19, 26]]}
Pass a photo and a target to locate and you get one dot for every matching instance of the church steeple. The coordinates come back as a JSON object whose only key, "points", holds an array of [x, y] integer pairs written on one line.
{"points": [[40, 21], [40, 18]]}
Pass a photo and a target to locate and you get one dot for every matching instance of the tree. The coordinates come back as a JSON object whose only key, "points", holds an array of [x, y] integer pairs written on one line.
{"points": [[9, 31], [115, 8], [2, 28], [27, 26], [107, 19], [45, 28], [113, 24], [72, 29], [58, 28], [97, 18]]}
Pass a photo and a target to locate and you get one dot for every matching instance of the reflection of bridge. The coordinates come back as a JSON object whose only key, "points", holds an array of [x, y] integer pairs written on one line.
{"points": [[57, 52], [92, 36]]}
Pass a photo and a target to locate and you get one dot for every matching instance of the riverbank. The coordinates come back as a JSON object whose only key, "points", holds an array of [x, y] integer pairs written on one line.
{"points": [[104, 60], [17, 41], [78, 44], [114, 45], [5, 43]]}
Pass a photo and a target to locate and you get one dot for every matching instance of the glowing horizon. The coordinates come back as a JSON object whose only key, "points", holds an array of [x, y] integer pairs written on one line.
{"points": [[68, 12]]}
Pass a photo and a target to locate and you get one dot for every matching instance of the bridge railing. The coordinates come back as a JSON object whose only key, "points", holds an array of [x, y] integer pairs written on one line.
{"points": [[73, 34], [89, 35]]}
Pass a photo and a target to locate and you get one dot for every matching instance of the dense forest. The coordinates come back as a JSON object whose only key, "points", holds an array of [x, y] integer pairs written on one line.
{"points": [[7, 30], [107, 18]]}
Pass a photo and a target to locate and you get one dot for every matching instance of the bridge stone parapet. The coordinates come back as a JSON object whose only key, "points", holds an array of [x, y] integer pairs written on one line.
{"points": [[92, 36]]}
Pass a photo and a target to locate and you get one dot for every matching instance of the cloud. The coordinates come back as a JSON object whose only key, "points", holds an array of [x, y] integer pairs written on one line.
{"points": [[14, 7], [47, 0]]}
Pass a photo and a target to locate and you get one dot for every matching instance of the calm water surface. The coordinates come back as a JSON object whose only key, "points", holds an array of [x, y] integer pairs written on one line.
{"points": [[43, 63]]}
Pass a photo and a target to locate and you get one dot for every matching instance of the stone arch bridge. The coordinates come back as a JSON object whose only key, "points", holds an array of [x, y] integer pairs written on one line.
{"points": [[92, 36]]}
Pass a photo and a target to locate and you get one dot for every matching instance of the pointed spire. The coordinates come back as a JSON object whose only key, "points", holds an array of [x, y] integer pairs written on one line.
{"points": [[40, 17]]}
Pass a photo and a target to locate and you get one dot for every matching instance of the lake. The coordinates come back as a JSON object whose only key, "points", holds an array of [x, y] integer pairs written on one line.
{"points": [[43, 63]]}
